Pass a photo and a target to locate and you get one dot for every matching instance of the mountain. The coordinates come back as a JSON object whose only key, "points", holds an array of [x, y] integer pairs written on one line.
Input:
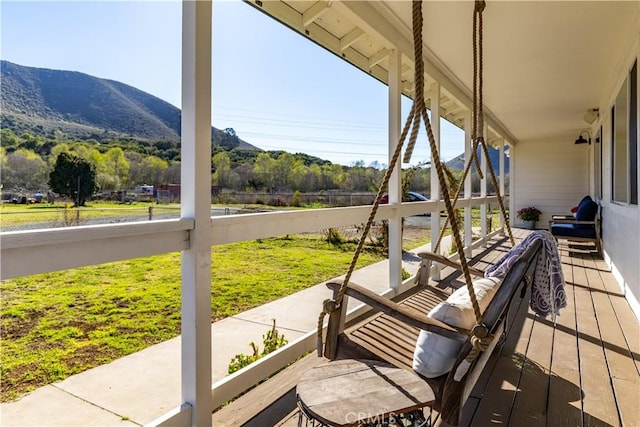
{"points": [[46, 102], [458, 163]]}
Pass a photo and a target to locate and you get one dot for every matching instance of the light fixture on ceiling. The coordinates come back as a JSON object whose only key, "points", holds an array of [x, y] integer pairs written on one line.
{"points": [[581, 139], [591, 115]]}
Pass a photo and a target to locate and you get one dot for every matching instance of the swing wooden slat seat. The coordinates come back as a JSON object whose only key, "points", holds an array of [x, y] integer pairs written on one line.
{"points": [[390, 338]]}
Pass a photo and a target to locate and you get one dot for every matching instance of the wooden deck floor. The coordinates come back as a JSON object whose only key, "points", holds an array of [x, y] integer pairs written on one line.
{"points": [[584, 370]]}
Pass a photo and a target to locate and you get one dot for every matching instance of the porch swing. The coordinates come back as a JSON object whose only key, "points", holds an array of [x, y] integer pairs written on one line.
{"points": [[361, 385]]}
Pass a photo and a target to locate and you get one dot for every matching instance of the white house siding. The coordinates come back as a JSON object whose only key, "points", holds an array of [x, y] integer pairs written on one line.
{"points": [[620, 221], [551, 175], [620, 234]]}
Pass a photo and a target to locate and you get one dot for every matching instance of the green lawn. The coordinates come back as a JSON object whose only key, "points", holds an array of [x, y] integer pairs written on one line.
{"points": [[58, 324]]}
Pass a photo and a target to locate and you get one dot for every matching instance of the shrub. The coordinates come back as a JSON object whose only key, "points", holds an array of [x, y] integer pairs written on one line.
{"points": [[334, 237], [272, 341], [297, 199]]}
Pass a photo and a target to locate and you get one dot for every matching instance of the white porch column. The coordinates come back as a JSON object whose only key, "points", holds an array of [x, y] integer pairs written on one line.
{"points": [[196, 204], [483, 190], [468, 232], [395, 190], [512, 183], [435, 185], [501, 178]]}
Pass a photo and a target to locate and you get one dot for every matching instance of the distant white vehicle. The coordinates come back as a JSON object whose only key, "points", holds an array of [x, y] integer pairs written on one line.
{"points": [[145, 190]]}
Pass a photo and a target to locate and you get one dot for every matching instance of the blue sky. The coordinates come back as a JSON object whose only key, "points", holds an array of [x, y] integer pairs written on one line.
{"points": [[278, 90]]}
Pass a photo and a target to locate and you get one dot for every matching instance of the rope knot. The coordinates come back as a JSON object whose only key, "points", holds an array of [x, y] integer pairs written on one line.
{"points": [[481, 344], [480, 331], [480, 5], [329, 306]]}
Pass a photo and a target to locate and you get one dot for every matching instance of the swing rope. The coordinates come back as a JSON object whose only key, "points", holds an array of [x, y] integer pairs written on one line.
{"points": [[418, 111], [476, 134], [478, 103]]}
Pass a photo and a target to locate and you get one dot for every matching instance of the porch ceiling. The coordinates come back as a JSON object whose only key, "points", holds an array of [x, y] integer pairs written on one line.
{"points": [[545, 63]]}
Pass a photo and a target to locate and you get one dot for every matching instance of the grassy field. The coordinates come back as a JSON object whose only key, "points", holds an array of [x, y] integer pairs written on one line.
{"points": [[63, 214]]}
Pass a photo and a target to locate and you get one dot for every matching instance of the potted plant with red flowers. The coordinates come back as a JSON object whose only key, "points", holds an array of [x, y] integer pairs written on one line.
{"points": [[529, 216]]}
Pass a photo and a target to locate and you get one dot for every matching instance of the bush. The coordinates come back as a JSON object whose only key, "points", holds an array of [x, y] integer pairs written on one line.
{"points": [[297, 199], [334, 237], [379, 234], [272, 341]]}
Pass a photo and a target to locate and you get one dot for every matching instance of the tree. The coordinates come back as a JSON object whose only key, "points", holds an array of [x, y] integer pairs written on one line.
{"points": [[74, 177], [171, 174], [145, 169], [283, 172], [226, 138], [62, 147], [116, 166], [23, 169], [263, 169], [222, 166], [154, 168], [9, 139]]}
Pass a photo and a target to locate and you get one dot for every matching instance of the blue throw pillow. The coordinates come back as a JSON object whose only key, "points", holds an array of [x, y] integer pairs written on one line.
{"points": [[587, 212]]}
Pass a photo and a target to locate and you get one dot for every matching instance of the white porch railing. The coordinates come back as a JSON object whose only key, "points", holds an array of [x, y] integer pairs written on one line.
{"points": [[30, 252]]}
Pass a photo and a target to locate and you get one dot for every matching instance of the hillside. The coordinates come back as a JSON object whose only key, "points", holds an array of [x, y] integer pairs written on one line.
{"points": [[458, 163], [44, 102]]}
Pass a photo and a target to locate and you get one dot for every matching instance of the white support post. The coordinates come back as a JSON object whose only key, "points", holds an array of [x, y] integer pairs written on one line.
{"points": [[512, 182], [483, 191], [501, 179], [395, 187], [435, 185], [196, 204], [468, 232]]}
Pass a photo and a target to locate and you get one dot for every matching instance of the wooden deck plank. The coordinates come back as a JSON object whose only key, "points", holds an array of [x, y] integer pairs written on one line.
{"points": [[598, 398], [503, 385], [622, 368], [291, 420], [530, 404], [630, 328], [626, 318], [565, 397], [245, 410]]}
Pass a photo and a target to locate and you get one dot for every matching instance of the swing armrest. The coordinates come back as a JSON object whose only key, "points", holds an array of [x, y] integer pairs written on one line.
{"points": [[402, 313], [446, 261]]}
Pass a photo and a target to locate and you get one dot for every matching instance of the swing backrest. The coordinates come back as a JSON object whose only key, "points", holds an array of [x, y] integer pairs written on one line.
{"points": [[455, 392]]}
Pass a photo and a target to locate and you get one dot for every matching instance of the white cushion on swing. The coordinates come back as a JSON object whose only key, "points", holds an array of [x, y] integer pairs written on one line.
{"points": [[434, 354]]}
